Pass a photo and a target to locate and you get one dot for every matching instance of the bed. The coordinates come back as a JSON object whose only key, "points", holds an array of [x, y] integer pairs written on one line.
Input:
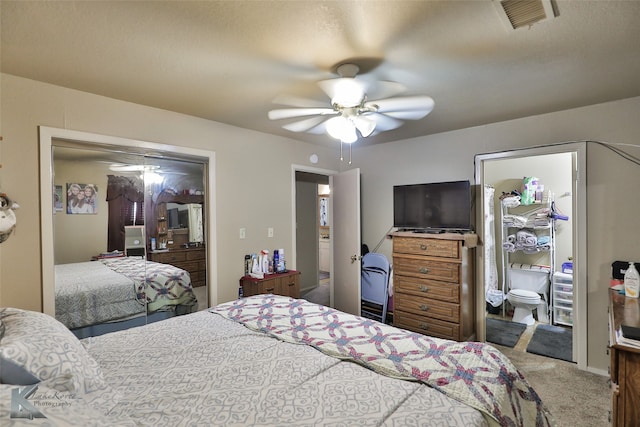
{"points": [[114, 289], [264, 360]]}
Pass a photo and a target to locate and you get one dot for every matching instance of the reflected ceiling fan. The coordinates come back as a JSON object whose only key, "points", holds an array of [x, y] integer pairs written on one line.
{"points": [[359, 107]]}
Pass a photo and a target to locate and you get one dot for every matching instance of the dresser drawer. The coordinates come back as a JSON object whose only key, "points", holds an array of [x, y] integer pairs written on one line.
{"points": [[168, 257], [426, 325], [287, 284], [428, 307], [421, 267], [195, 254], [426, 247], [443, 291]]}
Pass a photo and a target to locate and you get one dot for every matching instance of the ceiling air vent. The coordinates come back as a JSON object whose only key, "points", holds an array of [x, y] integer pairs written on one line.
{"points": [[524, 13]]}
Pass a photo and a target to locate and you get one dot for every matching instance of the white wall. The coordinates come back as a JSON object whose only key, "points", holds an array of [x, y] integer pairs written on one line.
{"points": [[246, 163], [611, 185], [78, 237], [307, 233]]}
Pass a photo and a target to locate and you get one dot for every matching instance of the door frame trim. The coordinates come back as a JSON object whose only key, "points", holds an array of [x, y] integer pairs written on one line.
{"points": [[46, 138], [579, 148]]}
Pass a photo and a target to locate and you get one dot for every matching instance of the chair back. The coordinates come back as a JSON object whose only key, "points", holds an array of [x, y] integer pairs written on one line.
{"points": [[375, 283]]}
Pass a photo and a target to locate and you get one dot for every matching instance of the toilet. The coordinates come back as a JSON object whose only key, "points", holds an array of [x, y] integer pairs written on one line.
{"points": [[524, 303], [527, 288]]}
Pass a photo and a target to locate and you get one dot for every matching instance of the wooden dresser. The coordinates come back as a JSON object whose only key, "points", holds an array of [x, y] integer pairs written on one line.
{"points": [[625, 362], [433, 284], [193, 260], [287, 284]]}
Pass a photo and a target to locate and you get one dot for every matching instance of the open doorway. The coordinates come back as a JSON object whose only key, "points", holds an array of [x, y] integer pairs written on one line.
{"points": [[557, 167], [313, 236]]}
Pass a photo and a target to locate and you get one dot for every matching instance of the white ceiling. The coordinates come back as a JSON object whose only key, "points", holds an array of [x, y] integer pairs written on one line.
{"points": [[227, 60]]}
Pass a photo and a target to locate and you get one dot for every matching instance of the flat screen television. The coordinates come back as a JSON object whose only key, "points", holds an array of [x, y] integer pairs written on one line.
{"points": [[432, 207]]}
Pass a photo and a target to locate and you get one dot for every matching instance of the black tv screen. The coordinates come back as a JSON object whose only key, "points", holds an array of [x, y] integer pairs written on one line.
{"points": [[432, 206]]}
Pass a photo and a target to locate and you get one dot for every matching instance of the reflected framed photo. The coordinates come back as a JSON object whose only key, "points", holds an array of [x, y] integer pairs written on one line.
{"points": [[82, 198]]}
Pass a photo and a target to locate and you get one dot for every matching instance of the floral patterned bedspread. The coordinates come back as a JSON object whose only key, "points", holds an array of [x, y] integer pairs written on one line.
{"points": [[474, 373], [159, 285]]}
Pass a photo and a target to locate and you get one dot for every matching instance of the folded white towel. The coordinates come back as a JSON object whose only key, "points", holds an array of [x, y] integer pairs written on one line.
{"points": [[511, 201]]}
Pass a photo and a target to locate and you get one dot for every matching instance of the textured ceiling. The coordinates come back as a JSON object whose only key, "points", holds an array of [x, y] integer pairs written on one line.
{"points": [[227, 60]]}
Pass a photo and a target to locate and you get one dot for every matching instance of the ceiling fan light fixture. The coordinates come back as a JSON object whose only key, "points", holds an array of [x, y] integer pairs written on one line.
{"points": [[343, 129], [118, 167], [364, 125], [347, 93]]}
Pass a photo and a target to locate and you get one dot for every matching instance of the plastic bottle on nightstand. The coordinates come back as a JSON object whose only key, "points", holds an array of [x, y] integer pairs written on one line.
{"points": [[631, 281], [265, 261], [276, 261]]}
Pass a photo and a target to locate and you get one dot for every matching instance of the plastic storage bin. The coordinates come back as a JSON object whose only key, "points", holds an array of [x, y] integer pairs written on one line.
{"points": [[563, 298]]}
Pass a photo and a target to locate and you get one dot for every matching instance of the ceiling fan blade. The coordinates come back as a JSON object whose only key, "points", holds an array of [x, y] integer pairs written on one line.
{"points": [[305, 125], [321, 129], [420, 105], [407, 115], [384, 89], [288, 113], [383, 122], [297, 101]]}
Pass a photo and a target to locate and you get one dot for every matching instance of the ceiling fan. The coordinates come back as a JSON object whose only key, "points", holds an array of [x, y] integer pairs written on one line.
{"points": [[359, 107]]}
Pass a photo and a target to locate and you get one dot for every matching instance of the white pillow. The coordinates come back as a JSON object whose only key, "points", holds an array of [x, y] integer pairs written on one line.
{"points": [[46, 349]]}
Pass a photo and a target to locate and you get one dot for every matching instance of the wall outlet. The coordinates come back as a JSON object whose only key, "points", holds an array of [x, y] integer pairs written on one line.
{"points": [[243, 233], [270, 232]]}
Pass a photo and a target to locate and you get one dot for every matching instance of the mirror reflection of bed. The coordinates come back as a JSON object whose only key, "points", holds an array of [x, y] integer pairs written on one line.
{"points": [[118, 264]]}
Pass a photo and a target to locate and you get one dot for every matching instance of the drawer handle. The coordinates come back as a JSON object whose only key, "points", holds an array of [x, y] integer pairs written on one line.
{"points": [[270, 289], [423, 247], [424, 307], [424, 326], [291, 284], [424, 288], [424, 270]]}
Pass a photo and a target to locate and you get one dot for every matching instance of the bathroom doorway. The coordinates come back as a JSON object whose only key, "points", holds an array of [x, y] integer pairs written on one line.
{"points": [[501, 171]]}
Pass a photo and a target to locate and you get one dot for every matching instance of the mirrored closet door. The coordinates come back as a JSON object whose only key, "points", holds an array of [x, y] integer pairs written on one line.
{"points": [[128, 233]]}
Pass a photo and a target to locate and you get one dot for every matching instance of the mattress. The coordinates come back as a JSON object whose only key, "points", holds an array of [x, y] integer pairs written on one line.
{"points": [[218, 372], [264, 360], [88, 293], [107, 290]]}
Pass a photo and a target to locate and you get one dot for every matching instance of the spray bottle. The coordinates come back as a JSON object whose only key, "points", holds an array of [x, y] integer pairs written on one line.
{"points": [[631, 281]]}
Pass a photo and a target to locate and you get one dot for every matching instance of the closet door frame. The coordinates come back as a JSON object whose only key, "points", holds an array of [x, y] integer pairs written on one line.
{"points": [[47, 138]]}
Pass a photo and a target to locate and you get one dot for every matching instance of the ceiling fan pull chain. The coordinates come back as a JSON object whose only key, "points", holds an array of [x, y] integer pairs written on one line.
{"points": [[341, 156], [350, 145]]}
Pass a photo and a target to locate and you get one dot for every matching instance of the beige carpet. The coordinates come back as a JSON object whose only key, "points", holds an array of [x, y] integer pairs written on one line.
{"points": [[574, 397], [201, 294], [319, 294]]}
